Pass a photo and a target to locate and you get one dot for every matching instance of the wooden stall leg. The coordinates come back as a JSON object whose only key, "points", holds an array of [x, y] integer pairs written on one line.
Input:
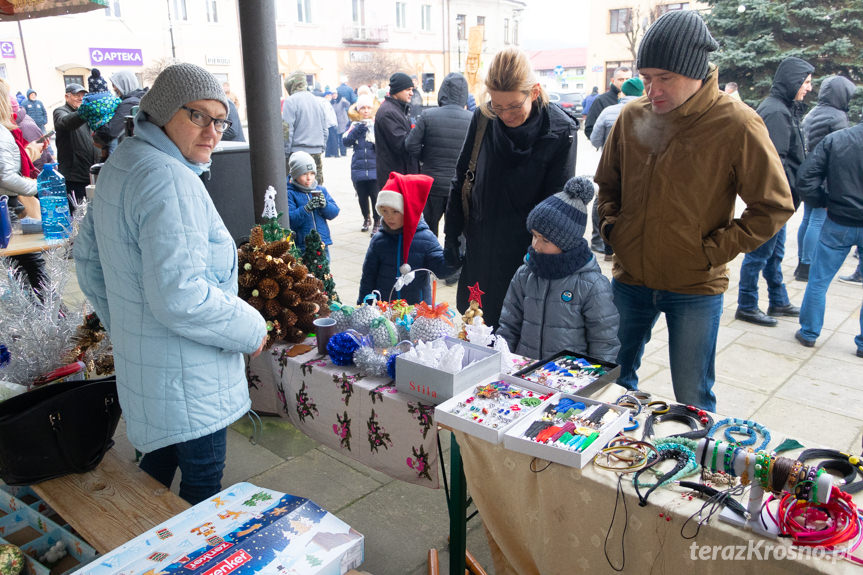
{"points": [[473, 565], [433, 564]]}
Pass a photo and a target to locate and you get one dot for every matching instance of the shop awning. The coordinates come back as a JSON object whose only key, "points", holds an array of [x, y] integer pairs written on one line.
{"points": [[27, 9]]}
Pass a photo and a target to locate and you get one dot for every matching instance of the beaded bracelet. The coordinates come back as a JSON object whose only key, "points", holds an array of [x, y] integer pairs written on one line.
{"points": [[744, 426]]}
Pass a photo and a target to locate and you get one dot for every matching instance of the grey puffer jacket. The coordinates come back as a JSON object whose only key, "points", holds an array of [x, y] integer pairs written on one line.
{"points": [[537, 321], [831, 112]]}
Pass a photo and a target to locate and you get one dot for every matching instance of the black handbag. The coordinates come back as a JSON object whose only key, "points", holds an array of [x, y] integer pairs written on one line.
{"points": [[57, 429]]}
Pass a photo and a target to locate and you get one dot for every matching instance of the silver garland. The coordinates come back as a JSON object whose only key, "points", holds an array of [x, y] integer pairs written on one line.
{"points": [[37, 333]]}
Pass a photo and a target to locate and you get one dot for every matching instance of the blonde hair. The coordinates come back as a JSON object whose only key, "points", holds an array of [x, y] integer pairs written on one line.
{"points": [[510, 71], [6, 118]]}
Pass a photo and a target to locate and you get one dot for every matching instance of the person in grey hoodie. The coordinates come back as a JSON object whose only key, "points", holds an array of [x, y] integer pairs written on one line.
{"points": [[304, 121], [631, 90], [829, 115], [558, 299], [127, 88]]}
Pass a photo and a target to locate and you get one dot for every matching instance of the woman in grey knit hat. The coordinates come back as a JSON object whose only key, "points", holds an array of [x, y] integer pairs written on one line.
{"points": [[160, 269]]}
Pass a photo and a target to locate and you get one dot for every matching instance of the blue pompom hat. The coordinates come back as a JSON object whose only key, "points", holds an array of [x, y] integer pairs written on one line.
{"points": [[562, 218]]}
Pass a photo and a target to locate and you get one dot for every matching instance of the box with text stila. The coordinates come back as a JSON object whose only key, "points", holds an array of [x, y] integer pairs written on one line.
{"points": [[435, 385]]}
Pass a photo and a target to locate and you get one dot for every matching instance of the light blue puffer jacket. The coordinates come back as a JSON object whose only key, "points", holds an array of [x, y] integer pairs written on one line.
{"points": [[160, 269]]}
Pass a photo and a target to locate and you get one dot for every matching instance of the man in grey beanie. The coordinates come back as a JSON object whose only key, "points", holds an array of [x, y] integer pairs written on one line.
{"points": [[669, 177], [160, 269]]}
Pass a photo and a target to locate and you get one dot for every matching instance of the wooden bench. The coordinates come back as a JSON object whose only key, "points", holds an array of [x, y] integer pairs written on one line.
{"points": [[112, 504]]}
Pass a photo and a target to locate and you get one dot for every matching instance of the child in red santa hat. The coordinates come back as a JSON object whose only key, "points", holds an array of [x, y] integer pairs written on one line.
{"points": [[403, 244]]}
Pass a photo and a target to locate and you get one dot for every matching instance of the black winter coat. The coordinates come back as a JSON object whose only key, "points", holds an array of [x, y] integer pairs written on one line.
{"points": [[838, 159], [116, 126], [599, 104], [384, 256], [75, 149], [510, 181], [831, 112], [437, 138], [781, 115], [392, 124], [235, 132]]}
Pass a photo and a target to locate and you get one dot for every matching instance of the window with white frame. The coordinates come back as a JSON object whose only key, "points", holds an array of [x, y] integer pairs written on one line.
{"points": [[401, 15], [515, 32], [304, 11], [180, 12], [212, 10], [663, 8], [358, 12], [480, 21], [619, 20], [506, 30], [425, 21], [460, 28]]}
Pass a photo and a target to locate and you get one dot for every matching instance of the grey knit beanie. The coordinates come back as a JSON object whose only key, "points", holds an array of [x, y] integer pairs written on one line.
{"points": [[678, 42], [301, 163], [176, 86], [562, 218]]}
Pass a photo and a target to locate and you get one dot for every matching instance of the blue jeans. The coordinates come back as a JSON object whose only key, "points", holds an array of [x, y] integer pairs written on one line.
{"points": [[834, 245], [693, 325], [332, 142], [766, 260], [809, 231], [201, 462]]}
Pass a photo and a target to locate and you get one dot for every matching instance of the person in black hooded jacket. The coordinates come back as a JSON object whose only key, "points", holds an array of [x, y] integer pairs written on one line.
{"points": [[829, 115], [436, 141], [527, 154], [781, 112]]}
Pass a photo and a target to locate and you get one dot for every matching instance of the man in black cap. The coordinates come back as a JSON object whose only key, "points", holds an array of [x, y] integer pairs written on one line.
{"points": [[392, 124], [669, 177], [75, 149]]}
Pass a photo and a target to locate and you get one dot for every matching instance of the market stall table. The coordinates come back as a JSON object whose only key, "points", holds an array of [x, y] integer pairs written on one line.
{"points": [[364, 418], [554, 519], [28, 244]]}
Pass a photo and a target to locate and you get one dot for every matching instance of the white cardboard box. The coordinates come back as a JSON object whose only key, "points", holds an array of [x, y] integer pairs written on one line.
{"points": [[436, 386], [444, 415], [513, 436]]}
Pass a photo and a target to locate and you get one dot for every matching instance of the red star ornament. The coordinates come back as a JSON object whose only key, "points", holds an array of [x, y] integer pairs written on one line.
{"points": [[475, 294]]}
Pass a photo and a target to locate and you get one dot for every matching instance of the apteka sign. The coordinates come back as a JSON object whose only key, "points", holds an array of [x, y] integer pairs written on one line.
{"points": [[116, 57]]}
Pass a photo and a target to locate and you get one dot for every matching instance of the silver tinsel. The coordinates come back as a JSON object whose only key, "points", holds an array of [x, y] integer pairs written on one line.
{"points": [[428, 329], [342, 314], [370, 362], [383, 332], [37, 333], [362, 318]]}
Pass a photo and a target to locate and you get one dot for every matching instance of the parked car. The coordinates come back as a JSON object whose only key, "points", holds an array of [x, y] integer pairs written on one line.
{"points": [[569, 101]]}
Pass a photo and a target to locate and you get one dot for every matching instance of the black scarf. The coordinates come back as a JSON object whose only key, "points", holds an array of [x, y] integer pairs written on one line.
{"points": [[556, 266]]}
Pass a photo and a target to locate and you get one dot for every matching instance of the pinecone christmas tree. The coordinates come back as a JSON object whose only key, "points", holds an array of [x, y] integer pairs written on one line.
{"points": [[280, 287], [315, 258]]}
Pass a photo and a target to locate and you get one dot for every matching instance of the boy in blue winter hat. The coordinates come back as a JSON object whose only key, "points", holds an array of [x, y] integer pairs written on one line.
{"points": [[309, 204], [558, 299]]}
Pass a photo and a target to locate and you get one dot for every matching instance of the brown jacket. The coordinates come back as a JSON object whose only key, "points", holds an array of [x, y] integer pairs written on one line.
{"points": [[668, 186]]}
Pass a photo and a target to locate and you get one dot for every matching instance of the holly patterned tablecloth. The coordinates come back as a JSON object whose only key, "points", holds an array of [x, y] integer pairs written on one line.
{"points": [[364, 418]]}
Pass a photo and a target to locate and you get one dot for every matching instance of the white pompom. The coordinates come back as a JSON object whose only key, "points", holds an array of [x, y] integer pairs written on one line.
{"points": [[405, 269]]}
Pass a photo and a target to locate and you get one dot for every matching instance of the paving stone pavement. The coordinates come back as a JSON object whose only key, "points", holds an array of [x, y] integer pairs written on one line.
{"points": [[813, 394]]}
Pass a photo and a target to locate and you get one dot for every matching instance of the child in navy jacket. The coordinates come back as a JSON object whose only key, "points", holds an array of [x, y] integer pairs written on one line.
{"points": [[404, 243], [309, 205]]}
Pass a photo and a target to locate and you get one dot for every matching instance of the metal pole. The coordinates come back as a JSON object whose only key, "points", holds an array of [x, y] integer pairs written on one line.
{"points": [[171, 29], [263, 92], [24, 52]]}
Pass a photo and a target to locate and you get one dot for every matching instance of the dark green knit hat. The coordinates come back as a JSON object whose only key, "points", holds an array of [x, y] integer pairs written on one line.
{"points": [[678, 42]]}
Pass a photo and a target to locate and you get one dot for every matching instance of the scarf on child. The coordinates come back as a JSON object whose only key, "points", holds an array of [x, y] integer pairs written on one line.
{"points": [[556, 266]]}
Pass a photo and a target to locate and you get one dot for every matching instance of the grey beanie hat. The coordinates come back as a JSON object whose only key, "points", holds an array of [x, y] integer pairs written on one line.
{"points": [[176, 86], [562, 218], [301, 163], [678, 42]]}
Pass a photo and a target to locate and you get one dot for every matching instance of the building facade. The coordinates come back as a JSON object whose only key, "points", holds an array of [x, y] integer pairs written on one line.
{"points": [[616, 27], [321, 37]]}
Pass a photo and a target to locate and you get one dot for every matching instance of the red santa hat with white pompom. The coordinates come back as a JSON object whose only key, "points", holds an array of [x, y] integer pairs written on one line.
{"points": [[408, 195]]}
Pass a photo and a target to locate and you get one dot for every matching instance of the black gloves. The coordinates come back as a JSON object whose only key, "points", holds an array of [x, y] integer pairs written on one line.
{"points": [[317, 201]]}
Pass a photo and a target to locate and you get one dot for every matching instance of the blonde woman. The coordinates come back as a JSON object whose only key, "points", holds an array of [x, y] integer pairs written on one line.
{"points": [[526, 154]]}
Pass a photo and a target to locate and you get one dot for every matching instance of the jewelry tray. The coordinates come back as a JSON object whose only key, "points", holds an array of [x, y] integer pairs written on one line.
{"points": [[584, 387]]}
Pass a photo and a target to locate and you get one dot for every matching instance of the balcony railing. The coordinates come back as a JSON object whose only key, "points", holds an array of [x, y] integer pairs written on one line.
{"points": [[355, 34]]}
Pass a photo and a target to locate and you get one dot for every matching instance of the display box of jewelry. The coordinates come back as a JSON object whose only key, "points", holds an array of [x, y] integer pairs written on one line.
{"points": [[569, 430], [436, 375], [491, 406], [569, 372]]}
